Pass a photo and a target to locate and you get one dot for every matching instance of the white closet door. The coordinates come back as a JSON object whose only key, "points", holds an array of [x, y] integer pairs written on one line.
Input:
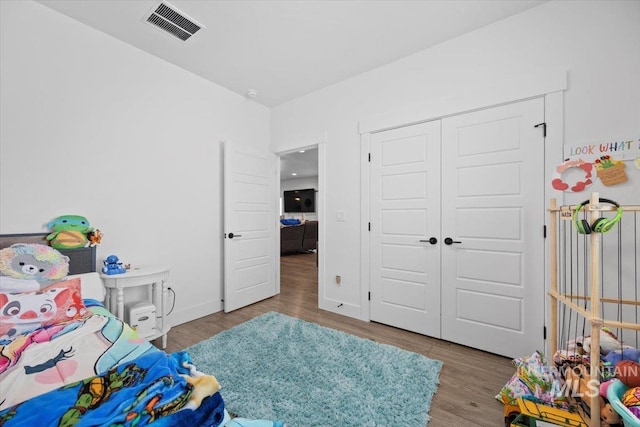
{"points": [[405, 214], [493, 205]]}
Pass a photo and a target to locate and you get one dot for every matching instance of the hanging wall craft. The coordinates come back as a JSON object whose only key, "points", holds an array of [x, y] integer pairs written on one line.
{"points": [[608, 157], [610, 171], [585, 176]]}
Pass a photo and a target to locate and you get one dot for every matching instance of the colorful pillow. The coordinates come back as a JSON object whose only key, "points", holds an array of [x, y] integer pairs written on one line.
{"points": [[27, 311], [533, 377]]}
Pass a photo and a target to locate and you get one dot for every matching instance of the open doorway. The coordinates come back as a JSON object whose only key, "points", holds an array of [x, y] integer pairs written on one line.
{"points": [[300, 201]]}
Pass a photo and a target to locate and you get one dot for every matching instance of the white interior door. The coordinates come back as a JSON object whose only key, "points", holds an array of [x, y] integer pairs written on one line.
{"points": [[250, 245], [493, 210], [405, 215]]}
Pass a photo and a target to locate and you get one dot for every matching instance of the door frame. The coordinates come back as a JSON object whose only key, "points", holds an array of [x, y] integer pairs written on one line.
{"points": [[550, 85], [314, 141]]}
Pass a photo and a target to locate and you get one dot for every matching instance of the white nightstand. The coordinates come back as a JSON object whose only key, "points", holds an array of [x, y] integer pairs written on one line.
{"points": [[156, 278]]}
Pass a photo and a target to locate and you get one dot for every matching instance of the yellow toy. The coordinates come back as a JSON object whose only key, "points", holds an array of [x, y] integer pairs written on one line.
{"points": [[203, 385], [530, 410]]}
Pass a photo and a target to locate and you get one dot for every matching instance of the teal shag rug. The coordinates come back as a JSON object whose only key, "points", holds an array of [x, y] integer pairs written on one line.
{"points": [[277, 367]]}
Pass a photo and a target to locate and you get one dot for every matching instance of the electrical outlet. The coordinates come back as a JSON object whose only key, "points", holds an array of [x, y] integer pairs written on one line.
{"points": [[338, 280]]}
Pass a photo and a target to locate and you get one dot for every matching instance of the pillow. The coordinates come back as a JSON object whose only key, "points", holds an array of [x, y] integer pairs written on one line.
{"points": [[13, 285], [27, 311], [533, 377]]}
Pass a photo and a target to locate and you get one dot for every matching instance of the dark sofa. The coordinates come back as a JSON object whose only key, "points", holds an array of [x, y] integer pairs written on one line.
{"points": [[298, 238]]}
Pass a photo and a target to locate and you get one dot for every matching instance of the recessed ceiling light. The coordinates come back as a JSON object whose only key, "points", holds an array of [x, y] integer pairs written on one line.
{"points": [[301, 151], [293, 173], [252, 93]]}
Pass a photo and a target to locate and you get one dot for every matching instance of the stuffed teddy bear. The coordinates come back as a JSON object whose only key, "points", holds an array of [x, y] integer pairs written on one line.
{"points": [[608, 342], [30, 295], [31, 267]]}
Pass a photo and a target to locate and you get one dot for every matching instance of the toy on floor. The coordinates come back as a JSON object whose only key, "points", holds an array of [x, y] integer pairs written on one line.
{"points": [[69, 232], [579, 381], [627, 353], [31, 267], [528, 410], [113, 266], [608, 342], [628, 372], [534, 376], [631, 399]]}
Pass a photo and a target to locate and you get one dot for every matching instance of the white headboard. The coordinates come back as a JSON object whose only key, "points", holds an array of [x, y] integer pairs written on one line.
{"points": [[91, 284]]}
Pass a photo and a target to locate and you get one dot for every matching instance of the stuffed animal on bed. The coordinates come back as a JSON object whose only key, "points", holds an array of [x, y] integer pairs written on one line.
{"points": [[30, 267], [69, 232], [33, 289]]}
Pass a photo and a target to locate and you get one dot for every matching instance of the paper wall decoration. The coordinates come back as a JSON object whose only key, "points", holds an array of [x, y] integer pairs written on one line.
{"points": [[610, 171], [623, 149], [586, 169]]}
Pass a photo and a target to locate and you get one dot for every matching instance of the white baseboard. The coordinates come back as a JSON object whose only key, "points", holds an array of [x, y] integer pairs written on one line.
{"points": [[194, 312]]}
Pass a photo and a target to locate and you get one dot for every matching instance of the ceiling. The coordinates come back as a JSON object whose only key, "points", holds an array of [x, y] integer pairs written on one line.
{"points": [[303, 163], [286, 49]]}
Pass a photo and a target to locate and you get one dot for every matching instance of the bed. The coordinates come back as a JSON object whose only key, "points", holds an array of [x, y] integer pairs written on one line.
{"points": [[93, 369]]}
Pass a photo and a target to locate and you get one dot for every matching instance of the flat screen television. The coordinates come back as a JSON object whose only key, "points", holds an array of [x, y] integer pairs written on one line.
{"points": [[300, 200]]}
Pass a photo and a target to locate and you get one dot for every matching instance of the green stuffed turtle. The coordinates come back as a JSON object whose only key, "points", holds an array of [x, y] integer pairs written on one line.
{"points": [[69, 232]]}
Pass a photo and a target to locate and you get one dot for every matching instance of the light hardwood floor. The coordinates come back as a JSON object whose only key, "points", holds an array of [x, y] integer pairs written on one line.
{"points": [[469, 379]]}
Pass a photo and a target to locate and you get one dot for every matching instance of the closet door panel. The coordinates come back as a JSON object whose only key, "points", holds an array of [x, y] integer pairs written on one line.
{"points": [[493, 205], [405, 209]]}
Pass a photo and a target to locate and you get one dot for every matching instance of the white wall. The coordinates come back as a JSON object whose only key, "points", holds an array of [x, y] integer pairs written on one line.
{"points": [[92, 126], [595, 41], [300, 184]]}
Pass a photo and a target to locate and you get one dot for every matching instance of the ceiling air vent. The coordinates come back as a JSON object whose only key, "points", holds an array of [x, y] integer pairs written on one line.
{"points": [[173, 21]]}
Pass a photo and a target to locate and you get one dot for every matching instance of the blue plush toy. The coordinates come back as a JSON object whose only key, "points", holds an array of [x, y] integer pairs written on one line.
{"points": [[616, 356], [112, 266]]}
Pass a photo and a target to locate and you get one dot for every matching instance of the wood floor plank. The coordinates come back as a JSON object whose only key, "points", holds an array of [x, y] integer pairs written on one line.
{"points": [[469, 379]]}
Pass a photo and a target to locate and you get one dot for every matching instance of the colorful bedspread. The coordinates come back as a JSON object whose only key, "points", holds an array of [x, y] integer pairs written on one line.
{"points": [[97, 371]]}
